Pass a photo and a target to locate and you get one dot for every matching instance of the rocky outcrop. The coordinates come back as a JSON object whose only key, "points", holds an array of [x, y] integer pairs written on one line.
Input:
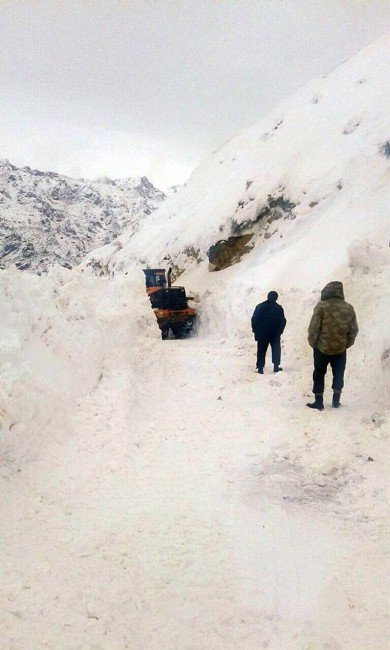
{"points": [[228, 251], [244, 234]]}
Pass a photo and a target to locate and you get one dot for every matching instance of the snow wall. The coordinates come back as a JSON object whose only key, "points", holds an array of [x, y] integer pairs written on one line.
{"points": [[60, 335]]}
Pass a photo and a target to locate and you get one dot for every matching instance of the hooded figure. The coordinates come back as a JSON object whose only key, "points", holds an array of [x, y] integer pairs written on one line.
{"points": [[268, 323], [333, 329]]}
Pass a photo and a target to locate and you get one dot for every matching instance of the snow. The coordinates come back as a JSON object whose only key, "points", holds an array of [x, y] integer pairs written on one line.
{"points": [[57, 333], [47, 218], [163, 516], [300, 152], [161, 494]]}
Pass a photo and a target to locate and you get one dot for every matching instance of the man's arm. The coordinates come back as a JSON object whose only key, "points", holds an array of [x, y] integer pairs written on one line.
{"points": [[315, 326], [283, 321], [353, 329], [256, 318]]}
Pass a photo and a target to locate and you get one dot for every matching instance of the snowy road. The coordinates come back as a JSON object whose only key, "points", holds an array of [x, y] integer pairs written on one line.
{"points": [[202, 508]]}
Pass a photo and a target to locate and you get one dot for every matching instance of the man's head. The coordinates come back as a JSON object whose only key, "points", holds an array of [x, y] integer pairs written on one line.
{"points": [[272, 296], [333, 290]]}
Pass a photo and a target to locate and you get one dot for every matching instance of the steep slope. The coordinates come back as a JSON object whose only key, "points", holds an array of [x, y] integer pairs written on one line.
{"points": [[47, 218], [316, 166]]}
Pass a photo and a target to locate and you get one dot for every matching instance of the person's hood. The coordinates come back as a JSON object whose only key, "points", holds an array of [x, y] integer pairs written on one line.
{"points": [[333, 290]]}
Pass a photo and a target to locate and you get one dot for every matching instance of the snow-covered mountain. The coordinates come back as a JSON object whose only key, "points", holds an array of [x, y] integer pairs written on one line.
{"points": [[311, 175], [47, 218], [161, 494]]}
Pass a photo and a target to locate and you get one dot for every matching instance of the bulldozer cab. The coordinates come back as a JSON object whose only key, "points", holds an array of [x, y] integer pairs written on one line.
{"points": [[155, 279], [172, 298]]}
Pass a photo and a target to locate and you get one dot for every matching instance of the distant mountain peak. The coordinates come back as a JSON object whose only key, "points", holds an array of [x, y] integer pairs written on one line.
{"points": [[48, 218]]}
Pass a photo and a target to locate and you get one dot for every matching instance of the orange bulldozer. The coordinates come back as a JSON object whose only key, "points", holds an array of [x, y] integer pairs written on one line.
{"points": [[170, 304]]}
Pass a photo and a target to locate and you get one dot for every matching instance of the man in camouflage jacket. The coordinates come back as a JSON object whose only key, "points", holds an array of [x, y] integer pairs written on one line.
{"points": [[333, 329]]}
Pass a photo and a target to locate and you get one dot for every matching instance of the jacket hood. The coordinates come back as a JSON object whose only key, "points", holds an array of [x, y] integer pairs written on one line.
{"points": [[333, 290]]}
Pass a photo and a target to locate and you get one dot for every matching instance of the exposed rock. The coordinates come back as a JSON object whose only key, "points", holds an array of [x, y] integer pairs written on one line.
{"points": [[228, 251], [47, 218]]}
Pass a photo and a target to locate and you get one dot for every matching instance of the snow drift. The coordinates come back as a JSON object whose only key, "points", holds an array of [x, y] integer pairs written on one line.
{"points": [[60, 334]]}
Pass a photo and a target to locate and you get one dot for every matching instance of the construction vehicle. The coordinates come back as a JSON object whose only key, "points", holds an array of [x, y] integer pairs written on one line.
{"points": [[170, 304]]}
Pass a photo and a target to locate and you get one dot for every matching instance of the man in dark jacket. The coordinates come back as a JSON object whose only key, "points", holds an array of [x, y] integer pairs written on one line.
{"points": [[333, 329], [268, 323]]}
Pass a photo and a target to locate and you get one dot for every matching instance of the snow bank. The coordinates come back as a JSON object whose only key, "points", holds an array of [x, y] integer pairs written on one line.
{"points": [[57, 335]]}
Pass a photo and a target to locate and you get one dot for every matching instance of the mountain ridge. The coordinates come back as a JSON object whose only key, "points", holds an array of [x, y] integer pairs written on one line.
{"points": [[49, 218]]}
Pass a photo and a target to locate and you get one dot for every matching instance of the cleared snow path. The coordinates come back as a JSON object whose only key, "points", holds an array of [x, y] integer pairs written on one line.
{"points": [[203, 508]]}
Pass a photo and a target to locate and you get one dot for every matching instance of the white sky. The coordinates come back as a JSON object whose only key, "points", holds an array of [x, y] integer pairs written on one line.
{"points": [[149, 87]]}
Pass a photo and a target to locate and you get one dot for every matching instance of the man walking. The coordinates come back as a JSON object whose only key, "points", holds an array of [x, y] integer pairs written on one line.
{"points": [[268, 323], [333, 329]]}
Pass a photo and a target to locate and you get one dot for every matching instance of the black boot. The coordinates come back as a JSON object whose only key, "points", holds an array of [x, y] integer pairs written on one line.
{"points": [[318, 402], [260, 371], [277, 369], [336, 399]]}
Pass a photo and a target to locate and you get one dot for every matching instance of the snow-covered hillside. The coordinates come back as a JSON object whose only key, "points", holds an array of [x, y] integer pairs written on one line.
{"points": [[315, 169], [299, 199], [47, 218], [161, 494]]}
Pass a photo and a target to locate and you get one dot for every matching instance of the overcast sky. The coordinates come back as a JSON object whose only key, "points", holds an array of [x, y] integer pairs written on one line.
{"points": [[149, 87]]}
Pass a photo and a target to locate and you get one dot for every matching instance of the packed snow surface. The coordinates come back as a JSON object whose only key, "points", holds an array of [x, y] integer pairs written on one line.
{"points": [[161, 494]]}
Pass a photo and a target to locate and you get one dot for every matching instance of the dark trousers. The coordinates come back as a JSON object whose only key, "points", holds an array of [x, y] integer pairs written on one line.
{"points": [[337, 363], [262, 347]]}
